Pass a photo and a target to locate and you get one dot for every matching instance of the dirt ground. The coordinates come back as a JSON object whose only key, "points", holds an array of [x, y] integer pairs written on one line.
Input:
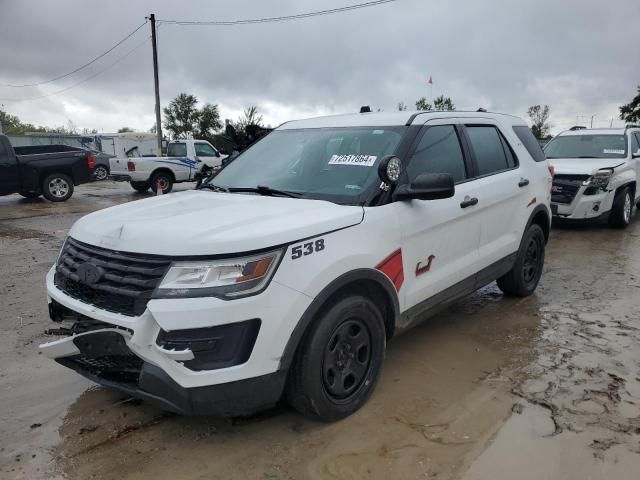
{"points": [[546, 387]]}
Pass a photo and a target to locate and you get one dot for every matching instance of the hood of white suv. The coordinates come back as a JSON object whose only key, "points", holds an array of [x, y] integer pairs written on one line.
{"points": [[583, 166], [201, 222]]}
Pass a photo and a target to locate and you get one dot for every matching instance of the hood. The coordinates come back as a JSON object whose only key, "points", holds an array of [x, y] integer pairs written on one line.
{"points": [[582, 166], [199, 222]]}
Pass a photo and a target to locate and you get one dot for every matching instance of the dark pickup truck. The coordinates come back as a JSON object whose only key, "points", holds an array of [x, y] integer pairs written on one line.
{"points": [[49, 170]]}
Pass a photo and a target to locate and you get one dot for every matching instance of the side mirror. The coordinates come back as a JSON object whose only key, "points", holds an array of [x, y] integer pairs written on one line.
{"points": [[427, 186], [217, 154]]}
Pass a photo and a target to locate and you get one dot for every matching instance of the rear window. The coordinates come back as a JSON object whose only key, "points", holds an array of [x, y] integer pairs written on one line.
{"points": [[530, 143], [177, 150]]}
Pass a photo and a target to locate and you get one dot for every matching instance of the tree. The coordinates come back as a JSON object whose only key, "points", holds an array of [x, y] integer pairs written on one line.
{"points": [[630, 112], [539, 116], [183, 119], [125, 129], [249, 117], [443, 103], [11, 125], [422, 104], [209, 122], [402, 107]]}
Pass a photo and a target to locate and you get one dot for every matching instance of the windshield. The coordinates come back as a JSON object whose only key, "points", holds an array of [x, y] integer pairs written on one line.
{"points": [[335, 164], [587, 146]]}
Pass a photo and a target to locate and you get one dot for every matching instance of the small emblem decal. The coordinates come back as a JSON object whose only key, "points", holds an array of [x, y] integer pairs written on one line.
{"points": [[420, 269], [89, 273]]}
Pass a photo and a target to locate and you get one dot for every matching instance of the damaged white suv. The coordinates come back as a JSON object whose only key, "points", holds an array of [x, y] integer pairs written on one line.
{"points": [[596, 174], [286, 274]]}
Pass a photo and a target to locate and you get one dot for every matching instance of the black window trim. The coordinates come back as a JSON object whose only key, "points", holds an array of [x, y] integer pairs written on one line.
{"points": [[473, 153], [469, 171]]}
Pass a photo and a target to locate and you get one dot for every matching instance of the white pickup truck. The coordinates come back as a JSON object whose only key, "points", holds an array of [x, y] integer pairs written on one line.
{"points": [[185, 158]]}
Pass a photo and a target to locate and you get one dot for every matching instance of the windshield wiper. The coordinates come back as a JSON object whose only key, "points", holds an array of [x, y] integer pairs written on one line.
{"points": [[215, 188], [586, 156], [263, 190]]}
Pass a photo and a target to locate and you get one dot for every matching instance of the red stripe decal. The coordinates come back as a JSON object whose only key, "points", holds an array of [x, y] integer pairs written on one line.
{"points": [[392, 268]]}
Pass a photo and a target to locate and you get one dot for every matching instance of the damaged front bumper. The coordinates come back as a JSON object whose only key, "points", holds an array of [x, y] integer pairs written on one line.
{"points": [[184, 355]]}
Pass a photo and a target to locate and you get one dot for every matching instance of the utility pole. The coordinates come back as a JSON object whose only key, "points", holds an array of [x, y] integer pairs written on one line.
{"points": [[154, 42], [592, 119]]}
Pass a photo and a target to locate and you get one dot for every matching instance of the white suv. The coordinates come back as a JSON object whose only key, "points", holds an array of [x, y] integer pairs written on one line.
{"points": [[597, 171], [288, 271]]}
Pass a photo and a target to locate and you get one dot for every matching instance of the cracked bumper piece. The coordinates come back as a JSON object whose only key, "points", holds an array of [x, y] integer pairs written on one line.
{"points": [[103, 357]]}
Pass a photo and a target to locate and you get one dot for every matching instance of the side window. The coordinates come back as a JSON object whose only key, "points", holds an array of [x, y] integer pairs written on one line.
{"points": [[204, 150], [530, 143], [439, 151], [635, 144], [490, 149], [5, 157]]}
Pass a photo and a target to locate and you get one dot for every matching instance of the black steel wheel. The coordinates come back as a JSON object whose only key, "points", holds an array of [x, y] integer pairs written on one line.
{"points": [[347, 359], [525, 274], [338, 361]]}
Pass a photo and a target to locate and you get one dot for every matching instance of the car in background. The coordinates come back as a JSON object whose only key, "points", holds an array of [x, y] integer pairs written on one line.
{"points": [[597, 172], [103, 167], [184, 161], [49, 170]]}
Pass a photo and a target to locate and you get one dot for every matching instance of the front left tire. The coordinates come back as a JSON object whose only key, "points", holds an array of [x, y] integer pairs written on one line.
{"points": [[338, 362], [620, 216]]}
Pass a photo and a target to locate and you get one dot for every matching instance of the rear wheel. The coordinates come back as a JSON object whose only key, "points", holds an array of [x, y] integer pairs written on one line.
{"points": [[338, 361], [140, 186], [162, 180], [30, 194], [620, 215], [525, 274], [57, 187], [101, 172]]}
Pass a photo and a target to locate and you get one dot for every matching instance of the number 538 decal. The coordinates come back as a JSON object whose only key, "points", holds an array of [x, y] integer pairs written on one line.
{"points": [[307, 248]]}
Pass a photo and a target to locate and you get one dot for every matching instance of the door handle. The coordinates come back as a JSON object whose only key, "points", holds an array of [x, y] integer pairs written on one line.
{"points": [[469, 202], [523, 182]]}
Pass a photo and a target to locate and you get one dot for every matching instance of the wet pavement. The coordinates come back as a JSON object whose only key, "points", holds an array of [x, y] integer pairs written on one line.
{"points": [[546, 387]]}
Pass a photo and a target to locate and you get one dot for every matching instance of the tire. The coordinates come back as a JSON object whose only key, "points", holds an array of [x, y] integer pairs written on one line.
{"points": [[57, 187], [622, 208], [30, 194], [523, 278], [338, 361], [140, 186], [101, 172], [165, 179]]}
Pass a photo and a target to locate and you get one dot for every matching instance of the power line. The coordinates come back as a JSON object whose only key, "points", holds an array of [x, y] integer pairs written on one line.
{"points": [[284, 18], [86, 79], [79, 68]]}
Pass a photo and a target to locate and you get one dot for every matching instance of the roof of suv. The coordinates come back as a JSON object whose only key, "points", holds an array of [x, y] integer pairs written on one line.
{"points": [[387, 119], [598, 131]]}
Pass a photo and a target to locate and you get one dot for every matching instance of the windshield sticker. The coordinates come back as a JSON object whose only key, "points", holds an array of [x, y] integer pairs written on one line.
{"points": [[611, 150], [362, 160], [378, 132]]}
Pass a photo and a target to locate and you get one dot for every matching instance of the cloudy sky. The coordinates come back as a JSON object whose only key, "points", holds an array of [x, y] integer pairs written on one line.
{"points": [[580, 57]]}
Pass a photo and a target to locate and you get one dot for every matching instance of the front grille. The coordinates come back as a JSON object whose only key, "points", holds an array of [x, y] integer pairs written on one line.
{"points": [[565, 187], [113, 281]]}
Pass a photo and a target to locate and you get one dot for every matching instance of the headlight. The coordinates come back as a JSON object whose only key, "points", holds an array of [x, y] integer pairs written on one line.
{"points": [[600, 179], [228, 278]]}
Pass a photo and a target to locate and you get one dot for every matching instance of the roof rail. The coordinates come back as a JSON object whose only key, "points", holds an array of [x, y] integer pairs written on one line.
{"points": [[578, 127]]}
